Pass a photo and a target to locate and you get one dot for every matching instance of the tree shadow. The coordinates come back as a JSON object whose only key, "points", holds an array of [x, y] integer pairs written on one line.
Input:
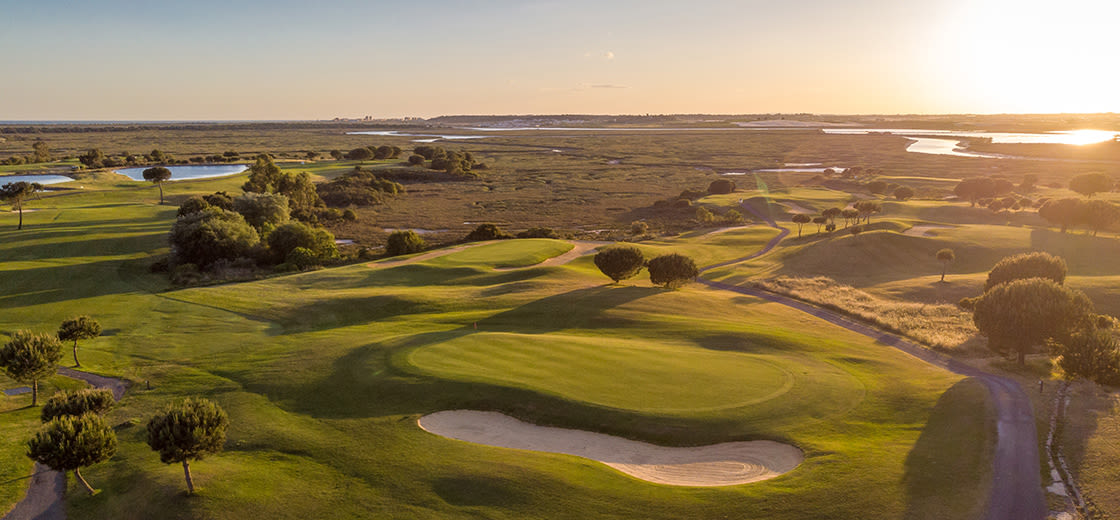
{"points": [[949, 463], [479, 490]]}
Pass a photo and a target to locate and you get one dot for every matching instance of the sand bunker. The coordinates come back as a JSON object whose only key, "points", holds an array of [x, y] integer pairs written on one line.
{"points": [[923, 231], [725, 464]]}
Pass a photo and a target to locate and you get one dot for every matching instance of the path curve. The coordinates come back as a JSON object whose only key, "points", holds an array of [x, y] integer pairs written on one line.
{"points": [[427, 256], [579, 248], [1016, 492], [47, 491]]}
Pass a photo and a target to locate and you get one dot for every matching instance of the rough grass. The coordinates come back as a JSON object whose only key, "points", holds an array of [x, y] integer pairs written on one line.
{"points": [[941, 326], [1088, 435]]}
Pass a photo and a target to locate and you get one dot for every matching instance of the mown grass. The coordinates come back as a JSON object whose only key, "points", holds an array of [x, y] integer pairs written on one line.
{"points": [[314, 371]]}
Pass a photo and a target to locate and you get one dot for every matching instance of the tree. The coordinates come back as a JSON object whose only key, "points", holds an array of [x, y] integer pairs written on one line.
{"points": [[303, 197], [721, 186], [219, 199], [945, 256], [904, 193], [801, 219], [1089, 184], [831, 214], [1029, 180], [264, 175], [416, 160], [41, 152], [212, 234], [77, 402], [1090, 353], [486, 232], [188, 431], [1018, 315], [704, 215], [78, 328], [286, 238], [92, 159], [820, 221], [15, 193], [194, 204], [1063, 212], [849, 215], [1027, 265], [1099, 215], [672, 271], [975, 189], [29, 357], [359, 154], [866, 208], [877, 187], [404, 242], [263, 211], [620, 262], [157, 175], [337, 155], [69, 443]]}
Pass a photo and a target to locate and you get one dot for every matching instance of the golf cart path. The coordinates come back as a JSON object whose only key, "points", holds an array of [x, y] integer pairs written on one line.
{"points": [[46, 493], [579, 248], [1016, 492]]}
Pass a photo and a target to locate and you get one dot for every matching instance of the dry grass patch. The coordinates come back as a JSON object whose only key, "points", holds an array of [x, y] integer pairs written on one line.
{"points": [[941, 326]]}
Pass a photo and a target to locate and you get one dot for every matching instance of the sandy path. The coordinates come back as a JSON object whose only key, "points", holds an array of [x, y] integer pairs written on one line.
{"points": [[580, 248], [923, 230], [427, 256], [797, 208], [1016, 492], [724, 464], [44, 499]]}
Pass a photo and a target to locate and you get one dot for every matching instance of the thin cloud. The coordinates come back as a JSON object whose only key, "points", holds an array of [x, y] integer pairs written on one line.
{"points": [[607, 85]]}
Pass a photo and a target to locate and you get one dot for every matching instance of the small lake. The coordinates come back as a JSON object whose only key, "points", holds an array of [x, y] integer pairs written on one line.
{"points": [[182, 173], [41, 179], [430, 138], [1070, 137]]}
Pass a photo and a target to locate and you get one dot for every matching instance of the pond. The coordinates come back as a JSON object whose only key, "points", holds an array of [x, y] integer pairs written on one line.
{"points": [[180, 173], [41, 179]]}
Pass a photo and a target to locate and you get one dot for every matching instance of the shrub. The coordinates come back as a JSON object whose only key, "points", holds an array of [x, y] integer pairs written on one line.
{"points": [[349, 215], [193, 205], [416, 160], [262, 209], [904, 193], [359, 154], [721, 186], [639, 227], [672, 270], [404, 242], [704, 215], [539, 232], [302, 258], [620, 262], [877, 187], [486, 232], [286, 238], [207, 236]]}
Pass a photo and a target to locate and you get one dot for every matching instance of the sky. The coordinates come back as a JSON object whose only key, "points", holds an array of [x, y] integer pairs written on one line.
{"points": [[249, 59]]}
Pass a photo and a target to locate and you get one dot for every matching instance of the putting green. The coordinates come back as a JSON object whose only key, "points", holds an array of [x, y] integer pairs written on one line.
{"points": [[633, 374]]}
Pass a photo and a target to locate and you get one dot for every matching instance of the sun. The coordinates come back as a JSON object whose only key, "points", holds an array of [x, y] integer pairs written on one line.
{"points": [[1032, 56]]}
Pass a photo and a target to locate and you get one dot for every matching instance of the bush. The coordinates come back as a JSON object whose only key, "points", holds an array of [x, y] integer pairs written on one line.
{"points": [[416, 160], [904, 193], [721, 186], [262, 209], [486, 232], [620, 262], [302, 258], [672, 271], [877, 187], [691, 194], [704, 216], [639, 227], [539, 232], [404, 242], [192, 205], [286, 238], [207, 236], [359, 154], [733, 216], [349, 215]]}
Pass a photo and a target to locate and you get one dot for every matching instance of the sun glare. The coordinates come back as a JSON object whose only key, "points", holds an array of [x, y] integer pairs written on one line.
{"points": [[1033, 57]]}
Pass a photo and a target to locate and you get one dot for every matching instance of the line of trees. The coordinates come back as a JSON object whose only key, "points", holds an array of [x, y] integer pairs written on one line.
{"points": [[860, 212], [622, 262], [1093, 215]]}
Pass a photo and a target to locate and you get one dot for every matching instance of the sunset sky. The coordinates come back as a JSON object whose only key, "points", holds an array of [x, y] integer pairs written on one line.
{"points": [[297, 60]]}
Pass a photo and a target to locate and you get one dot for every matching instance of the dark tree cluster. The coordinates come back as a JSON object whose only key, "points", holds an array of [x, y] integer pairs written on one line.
{"points": [[358, 188], [94, 158], [266, 177], [977, 188], [1093, 215], [486, 232], [625, 261], [40, 153], [370, 152], [457, 163]]}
